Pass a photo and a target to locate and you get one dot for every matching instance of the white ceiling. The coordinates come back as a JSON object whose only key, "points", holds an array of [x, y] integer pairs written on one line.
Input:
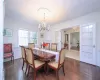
{"points": [[60, 10]]}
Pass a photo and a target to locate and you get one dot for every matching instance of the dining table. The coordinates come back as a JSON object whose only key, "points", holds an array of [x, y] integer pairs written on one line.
{"points": [[46, 56]]}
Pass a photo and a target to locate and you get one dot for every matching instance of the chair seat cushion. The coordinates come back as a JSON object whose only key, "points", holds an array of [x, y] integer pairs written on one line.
{"points": [[38, 63], [7, 55], [53, 64]]}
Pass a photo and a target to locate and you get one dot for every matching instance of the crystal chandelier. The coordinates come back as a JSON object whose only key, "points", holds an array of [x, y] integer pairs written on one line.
{"points": [[43, 26]]}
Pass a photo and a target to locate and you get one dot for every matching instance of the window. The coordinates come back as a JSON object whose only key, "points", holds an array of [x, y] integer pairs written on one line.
{"points": [[33, 37], [26, 37], [23, 37]]}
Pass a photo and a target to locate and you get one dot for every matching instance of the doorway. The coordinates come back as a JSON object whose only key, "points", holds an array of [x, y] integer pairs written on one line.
{"points": [[71, 38], [71, 41], [75, 41]]}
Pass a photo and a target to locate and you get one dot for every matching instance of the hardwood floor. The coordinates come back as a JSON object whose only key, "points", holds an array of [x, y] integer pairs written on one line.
{"points": [[74, 70]]}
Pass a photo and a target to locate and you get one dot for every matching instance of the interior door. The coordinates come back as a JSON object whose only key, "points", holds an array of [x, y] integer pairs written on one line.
{"points": [[87, 44], [58, 39]]}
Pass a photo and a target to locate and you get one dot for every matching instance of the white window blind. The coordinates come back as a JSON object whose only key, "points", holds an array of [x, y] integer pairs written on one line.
{"points": [[23, 37]]}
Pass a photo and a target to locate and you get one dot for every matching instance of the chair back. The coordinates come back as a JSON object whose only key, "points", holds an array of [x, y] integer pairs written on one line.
{"points": [[54, 46], [62, 56], [31, 45], [23, 52], [48, 46], [8, 48], [30, 56]]}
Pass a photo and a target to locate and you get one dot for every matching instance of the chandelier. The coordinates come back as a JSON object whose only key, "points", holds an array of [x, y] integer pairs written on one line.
{"points": [[43, 26]]}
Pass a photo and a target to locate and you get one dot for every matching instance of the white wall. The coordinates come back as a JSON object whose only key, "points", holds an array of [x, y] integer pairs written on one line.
{"points": [[1, 39], [89, 18], [46, 38], [15, 26]]}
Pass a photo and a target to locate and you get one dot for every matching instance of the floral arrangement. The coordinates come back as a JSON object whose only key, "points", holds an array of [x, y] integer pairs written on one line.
{"points": [[44, 44]]}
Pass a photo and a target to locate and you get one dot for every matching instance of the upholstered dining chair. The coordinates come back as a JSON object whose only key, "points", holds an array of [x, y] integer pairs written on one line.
{"points": [[54, 47], [8, 52], [32, 63], [57, 65], [31, 45], [23, 56]]}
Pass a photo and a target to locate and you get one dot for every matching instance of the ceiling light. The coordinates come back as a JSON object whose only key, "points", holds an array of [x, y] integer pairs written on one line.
{"points": [[43, 25]]}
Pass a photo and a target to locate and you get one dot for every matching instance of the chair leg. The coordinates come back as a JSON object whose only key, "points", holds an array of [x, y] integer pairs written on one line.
{"points": [[47, 70], [26, 68], [11, 59], [57, 75], [28, 71], [34, 75], [63, 69], [23, 65]]}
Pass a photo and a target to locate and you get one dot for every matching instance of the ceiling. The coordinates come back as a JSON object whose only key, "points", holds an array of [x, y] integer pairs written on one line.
{"points": [[60, 10]]}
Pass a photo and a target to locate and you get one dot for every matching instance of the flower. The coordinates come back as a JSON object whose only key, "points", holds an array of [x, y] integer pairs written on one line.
{"points": [[45, 44]]}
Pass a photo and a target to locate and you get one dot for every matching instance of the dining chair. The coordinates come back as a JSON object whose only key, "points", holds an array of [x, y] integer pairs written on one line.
{"points": [[31, 45], [23, 56], [57, 65], [32, 63], [48, 46], [8, 52], [54, 47]]}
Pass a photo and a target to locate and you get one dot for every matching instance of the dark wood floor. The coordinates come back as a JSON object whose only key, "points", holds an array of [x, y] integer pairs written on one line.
{"points": [[75, 70]]}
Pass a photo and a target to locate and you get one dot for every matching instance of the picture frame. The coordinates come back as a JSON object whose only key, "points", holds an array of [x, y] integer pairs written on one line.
{"points": [[7, 32], [42, 35]]}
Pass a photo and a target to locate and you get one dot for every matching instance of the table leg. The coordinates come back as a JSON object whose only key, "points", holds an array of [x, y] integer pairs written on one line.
{"points": [[46, 68]]}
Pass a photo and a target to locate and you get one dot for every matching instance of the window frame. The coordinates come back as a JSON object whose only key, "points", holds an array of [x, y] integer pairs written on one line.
{"points": [[23, 37], [33, 38], [28, 38]]}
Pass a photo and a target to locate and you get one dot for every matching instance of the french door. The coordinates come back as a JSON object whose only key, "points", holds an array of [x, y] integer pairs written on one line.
{"points": [[88, 44]]}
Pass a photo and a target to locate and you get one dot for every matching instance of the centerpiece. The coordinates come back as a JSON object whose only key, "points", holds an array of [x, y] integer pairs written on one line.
{"points": [[44, 45]]}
